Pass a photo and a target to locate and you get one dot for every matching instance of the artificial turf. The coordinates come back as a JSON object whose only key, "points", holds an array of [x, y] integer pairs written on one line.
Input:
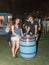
{"points": [[42, 57]]}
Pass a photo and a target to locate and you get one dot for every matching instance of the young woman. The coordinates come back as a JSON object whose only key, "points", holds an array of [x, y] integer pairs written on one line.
{"points": [[9, 31], [16, 32]]}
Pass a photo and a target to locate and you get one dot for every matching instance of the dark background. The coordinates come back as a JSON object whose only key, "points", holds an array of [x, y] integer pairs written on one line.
{"points": [[21, 6]]}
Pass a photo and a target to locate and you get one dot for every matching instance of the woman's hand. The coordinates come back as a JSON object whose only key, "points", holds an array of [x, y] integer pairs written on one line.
{"points": [[25, 34], [18, 36]]}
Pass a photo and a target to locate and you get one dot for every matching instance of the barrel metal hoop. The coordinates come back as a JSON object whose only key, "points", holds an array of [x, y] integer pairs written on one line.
{"points": [[27, 45], [27, 58], [28, 53]]}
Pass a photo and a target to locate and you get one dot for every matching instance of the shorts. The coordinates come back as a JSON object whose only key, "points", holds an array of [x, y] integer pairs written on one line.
{"points": [[15, 38]]}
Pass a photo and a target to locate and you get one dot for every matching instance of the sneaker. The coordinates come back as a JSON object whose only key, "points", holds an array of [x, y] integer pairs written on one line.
{"points": [[16, 56]]}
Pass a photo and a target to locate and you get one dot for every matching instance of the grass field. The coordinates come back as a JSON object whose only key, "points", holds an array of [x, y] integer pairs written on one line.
{"points": [[42, 57]]}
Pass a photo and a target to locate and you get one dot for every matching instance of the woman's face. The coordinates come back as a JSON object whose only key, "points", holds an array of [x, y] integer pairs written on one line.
{"points": [[17, 21]]}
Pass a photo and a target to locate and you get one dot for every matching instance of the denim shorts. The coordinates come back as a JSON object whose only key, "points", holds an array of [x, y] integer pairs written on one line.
{"points": [[15, 38]]}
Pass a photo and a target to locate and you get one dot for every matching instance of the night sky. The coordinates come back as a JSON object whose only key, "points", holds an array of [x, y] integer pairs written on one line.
{"points": [[16, 6]]}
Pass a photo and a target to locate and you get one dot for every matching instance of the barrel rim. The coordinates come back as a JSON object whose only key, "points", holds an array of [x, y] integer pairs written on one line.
{"points": [[24, 38], [27, 40]]}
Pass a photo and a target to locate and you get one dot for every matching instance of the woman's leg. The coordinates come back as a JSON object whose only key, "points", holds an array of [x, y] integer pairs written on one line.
{"points": [[13, 48], [17, 46], [9, 38], [9, 43]]}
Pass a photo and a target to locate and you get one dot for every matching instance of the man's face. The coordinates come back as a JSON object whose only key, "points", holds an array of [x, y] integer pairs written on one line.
{"points": [[30, 19]]}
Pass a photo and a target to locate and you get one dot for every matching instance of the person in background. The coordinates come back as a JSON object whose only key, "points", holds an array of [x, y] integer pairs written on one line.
{"points": [[9, 31], [47, 25], [44, 23], [39, 27], [16, 33], [38, 21]]}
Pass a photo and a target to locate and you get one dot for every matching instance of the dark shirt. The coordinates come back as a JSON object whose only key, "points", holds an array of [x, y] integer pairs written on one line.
{"points": [[26, 24], [32, 27]]}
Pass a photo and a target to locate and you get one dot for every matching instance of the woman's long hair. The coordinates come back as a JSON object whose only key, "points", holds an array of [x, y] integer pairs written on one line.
{"points": [[19, 24]]}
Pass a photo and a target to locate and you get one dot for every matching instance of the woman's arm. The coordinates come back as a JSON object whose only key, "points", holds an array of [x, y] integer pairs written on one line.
{"points": [[7, 28]]}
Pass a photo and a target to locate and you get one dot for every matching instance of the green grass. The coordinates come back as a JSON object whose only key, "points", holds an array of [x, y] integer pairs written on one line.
{"points": [[42, 57]]}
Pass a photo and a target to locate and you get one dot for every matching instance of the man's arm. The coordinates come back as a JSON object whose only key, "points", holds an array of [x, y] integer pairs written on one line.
{"points": [[35, 29], [28, 29]]}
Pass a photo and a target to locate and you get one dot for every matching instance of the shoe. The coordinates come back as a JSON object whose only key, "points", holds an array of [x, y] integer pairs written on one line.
{"points": [[16, 56], [13, 56]]}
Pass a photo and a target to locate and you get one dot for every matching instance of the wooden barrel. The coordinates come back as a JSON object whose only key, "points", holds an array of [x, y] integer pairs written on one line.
{"points": [[27, 47]]}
